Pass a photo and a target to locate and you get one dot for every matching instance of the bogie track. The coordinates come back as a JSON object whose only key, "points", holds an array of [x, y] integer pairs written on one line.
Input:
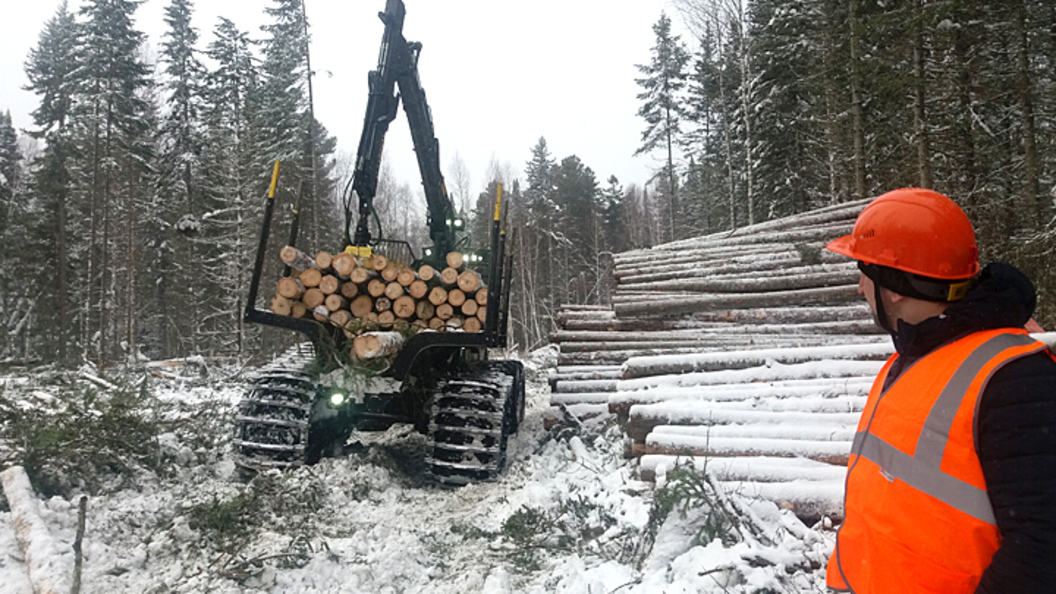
{"points": [[272, 422], [472, 418]]}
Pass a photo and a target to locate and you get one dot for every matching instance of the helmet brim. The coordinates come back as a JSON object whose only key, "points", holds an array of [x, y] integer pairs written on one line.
{"points": [[842, 246]]}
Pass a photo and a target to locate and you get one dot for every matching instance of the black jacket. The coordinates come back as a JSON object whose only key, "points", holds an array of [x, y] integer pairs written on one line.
{"points": [[1015, 429]]}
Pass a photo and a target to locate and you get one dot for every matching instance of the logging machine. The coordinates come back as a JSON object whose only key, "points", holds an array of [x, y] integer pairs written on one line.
{"points": [[306, 403]]}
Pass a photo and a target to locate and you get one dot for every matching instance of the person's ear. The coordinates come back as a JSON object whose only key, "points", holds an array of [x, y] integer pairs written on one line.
{"points": [[892, 296]]}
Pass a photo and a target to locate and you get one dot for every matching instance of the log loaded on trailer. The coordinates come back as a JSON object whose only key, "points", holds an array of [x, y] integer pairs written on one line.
{"points": [[393, 337]]}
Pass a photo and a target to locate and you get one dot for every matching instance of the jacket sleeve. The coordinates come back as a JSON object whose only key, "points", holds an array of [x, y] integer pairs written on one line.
{"points": [[1016, 442]]}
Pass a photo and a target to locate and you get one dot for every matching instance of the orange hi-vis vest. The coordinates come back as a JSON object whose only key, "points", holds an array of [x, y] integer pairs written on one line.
{"points": [[918, 517]]}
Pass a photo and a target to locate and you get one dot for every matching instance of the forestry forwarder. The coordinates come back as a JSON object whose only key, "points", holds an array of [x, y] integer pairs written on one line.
{"points": [[307, 402]]}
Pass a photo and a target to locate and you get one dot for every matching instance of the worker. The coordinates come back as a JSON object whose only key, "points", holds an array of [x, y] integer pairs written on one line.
{"points": [[951, 483]]}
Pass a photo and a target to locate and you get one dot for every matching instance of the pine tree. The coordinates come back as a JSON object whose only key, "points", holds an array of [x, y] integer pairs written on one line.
{"points": [[663, 108]]}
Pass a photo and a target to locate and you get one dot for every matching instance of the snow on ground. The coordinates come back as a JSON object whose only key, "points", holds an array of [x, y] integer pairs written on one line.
{"points": [[568, 516]]}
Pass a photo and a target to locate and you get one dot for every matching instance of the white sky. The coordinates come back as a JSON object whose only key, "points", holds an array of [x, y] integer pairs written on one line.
{"points": [[498, 74]]}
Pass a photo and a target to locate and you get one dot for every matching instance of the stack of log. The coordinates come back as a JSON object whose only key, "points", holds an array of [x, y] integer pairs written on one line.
{"points": [[750, 350], [376, 301]]}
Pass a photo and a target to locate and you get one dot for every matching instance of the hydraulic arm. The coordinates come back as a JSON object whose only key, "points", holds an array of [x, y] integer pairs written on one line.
{"points": [[398, 68]]}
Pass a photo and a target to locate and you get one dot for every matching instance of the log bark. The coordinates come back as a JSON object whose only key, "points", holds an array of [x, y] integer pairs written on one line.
{"points": [[32, 533], [372, 345], [661, 365], [454, 323], [382, 304], [769, 264], [295, 258]]}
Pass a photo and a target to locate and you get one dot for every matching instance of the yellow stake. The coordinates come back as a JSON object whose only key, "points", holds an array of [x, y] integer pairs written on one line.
{"points": [[274, 180], [498, 201]]}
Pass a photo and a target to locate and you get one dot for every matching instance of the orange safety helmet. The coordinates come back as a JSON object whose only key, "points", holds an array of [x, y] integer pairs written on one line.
{"points": [[913, 230]]}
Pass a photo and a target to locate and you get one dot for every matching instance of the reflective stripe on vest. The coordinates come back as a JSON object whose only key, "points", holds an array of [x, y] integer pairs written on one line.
{"points": [[922, 470]]}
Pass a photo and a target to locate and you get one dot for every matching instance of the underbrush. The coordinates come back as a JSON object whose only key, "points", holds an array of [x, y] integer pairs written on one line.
{"points": [[77, 434]]}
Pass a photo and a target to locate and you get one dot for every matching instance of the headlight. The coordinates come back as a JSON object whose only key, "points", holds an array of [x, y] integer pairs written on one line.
{"points": [[337, 399]]}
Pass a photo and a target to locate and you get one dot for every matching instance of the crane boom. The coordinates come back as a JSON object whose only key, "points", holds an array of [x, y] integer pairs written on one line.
{"points": [[398, 68]]}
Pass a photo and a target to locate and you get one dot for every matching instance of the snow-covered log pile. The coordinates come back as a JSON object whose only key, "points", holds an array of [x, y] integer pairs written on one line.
{"points": [[749, 350]]}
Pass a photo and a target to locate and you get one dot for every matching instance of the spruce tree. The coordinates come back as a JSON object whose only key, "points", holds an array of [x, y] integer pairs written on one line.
{"points": [[178, 263], [664, 79], [49, 68], [113, 125]]}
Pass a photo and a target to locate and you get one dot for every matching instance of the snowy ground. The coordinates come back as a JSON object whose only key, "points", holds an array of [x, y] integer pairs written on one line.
{"points": [[568, 516]]}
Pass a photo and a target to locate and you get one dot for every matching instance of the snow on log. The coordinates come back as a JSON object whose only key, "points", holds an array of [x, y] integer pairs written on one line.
{"points": [[830, 452], [748, 284], [645, 417], [568, 386], [599, 398], [809, 489], [773, 371], [690, 304], [826, 390], [39, 551], [761, 469], [372, 345], [820, 234], [668, 364]]}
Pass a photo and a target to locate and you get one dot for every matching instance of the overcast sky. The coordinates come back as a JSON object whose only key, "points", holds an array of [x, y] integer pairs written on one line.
{"points": [[499, 74]]}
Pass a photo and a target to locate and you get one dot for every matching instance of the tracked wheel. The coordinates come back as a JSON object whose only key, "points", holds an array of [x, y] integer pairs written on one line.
{"points": [[472, 418], [271, 425]]}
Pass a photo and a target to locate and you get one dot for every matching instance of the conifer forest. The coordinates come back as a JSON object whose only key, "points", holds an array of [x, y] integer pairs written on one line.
{"points": [[131, 209]]}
